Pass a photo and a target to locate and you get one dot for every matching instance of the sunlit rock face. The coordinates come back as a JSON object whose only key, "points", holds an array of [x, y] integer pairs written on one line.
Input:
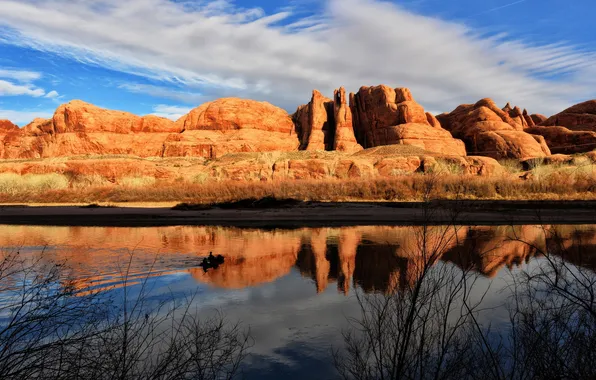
{"points": [[490, 131], [325, 124], [231, 125], [565, 141], [383, 116], [580, 117], [570, 131], [223, 126]]}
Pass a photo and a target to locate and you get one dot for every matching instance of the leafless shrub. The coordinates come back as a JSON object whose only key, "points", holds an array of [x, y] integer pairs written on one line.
{"points": [[552, 332], [52, 330]]}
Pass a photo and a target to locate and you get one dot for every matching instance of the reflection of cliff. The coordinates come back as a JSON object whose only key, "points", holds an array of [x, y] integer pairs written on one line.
{"points": [[381, 259], [488, 249], [242, 272], [574, 244]]}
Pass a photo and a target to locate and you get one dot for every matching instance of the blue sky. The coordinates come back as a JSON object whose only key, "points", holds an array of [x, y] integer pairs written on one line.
{"points": [[165, 57]]}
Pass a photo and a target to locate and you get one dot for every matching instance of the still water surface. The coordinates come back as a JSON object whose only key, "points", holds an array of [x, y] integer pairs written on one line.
{"points": [[294, 288]]}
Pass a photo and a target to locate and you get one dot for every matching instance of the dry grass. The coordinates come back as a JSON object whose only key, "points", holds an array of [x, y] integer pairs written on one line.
{"points": [[137, 181], [557, 181], [511, 166], [445, 166], [14, 184], [562, 184]]}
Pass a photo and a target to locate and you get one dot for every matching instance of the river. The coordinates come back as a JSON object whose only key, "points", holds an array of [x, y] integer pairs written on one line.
{"points": [[296, 289]]}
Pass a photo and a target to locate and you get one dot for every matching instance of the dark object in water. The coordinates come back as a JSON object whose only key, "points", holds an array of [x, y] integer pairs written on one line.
{"points": [[212, 261]]}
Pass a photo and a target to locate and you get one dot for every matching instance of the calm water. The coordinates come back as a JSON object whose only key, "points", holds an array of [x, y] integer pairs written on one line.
{"points": [[294, 288]]}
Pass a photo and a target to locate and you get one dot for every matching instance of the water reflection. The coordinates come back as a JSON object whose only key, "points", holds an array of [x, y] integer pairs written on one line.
{"points": [[375, 259], [290, 286]]}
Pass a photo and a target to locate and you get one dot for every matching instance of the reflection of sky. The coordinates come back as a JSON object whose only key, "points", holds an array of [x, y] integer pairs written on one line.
{"points": [[294, 328]]}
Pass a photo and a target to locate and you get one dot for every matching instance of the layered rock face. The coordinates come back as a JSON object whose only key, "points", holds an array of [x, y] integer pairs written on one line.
{"points": [[325, 124], [314, 122], [7, 126], [493, 132], [563, 140], [211, 130], [384, 116], [373, 117], [79, 128], [232, 125], [580, 117], [571, 131]]}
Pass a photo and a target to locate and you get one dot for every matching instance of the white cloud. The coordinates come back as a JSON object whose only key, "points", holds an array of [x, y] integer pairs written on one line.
{"points": [[22, 118], [170, 112], [20, 82], [11, 89], [52, 95], [164, 92], [244, 52], [20, 75]]}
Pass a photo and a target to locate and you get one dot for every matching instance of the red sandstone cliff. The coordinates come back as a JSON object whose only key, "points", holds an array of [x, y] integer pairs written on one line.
{"points": [[570, 131], [384, 116], [493, 132], [373, 117]]}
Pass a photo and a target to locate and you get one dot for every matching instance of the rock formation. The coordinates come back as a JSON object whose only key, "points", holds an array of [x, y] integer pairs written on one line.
{"points": [[79, 128], [7, 126], [562, 140], [232, 125], [493, 132], [344, 139], [325, 124], [384, 116], [538, 118], [568, 132], [373, 117], [580, 117], [211, 130], [313, 124]]}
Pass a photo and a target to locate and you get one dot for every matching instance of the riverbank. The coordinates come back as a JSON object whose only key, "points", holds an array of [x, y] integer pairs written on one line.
{"points": [[295, 214]]}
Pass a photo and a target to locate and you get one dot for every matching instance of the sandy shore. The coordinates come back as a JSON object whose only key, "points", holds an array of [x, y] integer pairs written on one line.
{"points": [[313, 214]]}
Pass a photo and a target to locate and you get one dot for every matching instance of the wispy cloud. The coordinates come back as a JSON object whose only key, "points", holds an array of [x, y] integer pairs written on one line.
{"points": [[11, 89], [188, 97], [24, 117], [244, 52], [501, 7], [170, 112], [52, 95], [19, 83], [20, 75]]}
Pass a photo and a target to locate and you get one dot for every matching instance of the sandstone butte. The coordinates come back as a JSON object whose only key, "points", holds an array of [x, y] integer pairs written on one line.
{"points": [[373, 117], [490, 131], [571, 131]]}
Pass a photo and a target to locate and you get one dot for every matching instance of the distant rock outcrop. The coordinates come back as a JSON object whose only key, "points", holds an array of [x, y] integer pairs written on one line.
{"points": [[565, 141], [580, 117], [213, 129], [384, 116], [78, 128], [490, 131]]}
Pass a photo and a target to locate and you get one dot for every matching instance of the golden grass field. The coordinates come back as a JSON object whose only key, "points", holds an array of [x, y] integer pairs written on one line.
{"points": [[94, 182]]}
